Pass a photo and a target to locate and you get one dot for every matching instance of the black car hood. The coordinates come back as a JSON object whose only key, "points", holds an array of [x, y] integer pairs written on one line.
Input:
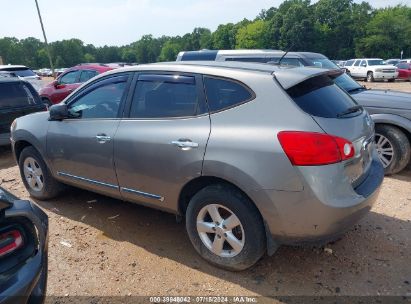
{"points": [[6, 199], [383, 99]]}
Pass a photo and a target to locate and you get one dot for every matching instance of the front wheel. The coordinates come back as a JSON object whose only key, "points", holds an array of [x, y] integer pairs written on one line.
{"points": [[391, 80], [36, 176], [225, 227], [393, 148], [370, 77]]}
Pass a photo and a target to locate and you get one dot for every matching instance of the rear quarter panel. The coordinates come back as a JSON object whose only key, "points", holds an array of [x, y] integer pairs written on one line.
{"points": [[243, 147]]}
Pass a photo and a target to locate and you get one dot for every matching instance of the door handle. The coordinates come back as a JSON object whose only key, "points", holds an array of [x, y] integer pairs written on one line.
{"points": [[103, 138], [184, 144]]}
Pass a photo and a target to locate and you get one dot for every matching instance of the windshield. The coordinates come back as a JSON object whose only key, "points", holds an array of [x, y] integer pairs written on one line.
{"points": [[375, 62], [22, 72], [347, 83], [324, 63]]}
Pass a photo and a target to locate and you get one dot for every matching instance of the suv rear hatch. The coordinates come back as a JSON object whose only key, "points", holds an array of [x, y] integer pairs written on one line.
{"points": [[337, 113], [17, 98]]}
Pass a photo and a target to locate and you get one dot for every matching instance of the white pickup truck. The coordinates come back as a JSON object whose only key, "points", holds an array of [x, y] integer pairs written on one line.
{"points": [[371, 69]]}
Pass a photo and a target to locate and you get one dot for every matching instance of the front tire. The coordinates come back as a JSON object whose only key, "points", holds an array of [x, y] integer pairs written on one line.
{"points": [[47, 101], [393, 148], [370, 77], [391, 80], [36, 176], [225, 227]]}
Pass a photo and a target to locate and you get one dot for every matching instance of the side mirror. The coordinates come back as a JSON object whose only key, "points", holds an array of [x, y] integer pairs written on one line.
{"points": [[58, 85], [58, 112], [363, 65]]}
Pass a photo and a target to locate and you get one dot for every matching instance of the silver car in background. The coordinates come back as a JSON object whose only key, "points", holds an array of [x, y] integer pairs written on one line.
{"points": [[24, 73], [253, 155]]}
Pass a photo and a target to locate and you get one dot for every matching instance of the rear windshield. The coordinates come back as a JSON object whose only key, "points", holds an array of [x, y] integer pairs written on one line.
{"points": [[17, 94], [22, 72], [320, 96]]}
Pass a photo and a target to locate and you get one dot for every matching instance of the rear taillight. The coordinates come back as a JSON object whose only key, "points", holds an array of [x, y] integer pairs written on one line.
{"points": [[10, 241], [314, 149]]}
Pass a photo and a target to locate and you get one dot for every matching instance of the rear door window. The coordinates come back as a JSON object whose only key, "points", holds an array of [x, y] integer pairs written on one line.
{"points": [[223, 93], [87, 74], [70, 77], [16, 94], [320, 96], [166, 96]]}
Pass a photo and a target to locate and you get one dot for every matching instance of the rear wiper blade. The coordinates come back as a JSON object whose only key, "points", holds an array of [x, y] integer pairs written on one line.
{"points": [[350, 110]]}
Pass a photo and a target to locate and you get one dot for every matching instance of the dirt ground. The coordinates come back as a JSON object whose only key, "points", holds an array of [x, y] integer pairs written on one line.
{"points": [[101, 246]]}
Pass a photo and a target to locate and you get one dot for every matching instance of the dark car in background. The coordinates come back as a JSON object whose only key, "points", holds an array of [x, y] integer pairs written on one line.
{"points": [[390, 110], [17, 98], [70, 80], [404, 70], [23, 251]]}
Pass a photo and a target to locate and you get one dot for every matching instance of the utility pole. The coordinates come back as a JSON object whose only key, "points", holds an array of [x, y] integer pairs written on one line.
{"points": [[45, 39]]}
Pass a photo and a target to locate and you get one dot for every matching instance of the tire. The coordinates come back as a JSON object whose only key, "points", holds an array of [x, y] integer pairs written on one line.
{"points": [[397, 143], [391, 80], [370, 77], [31, 161], [250, 231], [47, 101]]}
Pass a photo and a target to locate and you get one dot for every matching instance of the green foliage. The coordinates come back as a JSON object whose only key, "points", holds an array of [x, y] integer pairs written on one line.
{"points": [[340, 29], [389, 32], [252, 36]]}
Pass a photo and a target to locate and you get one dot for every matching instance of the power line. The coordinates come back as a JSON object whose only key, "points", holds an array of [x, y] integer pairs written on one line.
{"points": [[45, 38]]}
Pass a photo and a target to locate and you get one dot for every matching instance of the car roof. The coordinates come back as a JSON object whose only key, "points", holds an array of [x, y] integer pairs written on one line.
{"points": [[212, 54], [86, 66], [287, 76], [11, 79], [8, 66], [366, 59]]}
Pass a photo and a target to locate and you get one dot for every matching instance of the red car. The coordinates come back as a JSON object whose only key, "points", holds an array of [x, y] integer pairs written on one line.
{"points": [[70, 80], [404, 70]]}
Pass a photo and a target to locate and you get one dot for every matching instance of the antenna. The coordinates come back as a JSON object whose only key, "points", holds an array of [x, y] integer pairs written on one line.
{"points": [[286, 52]]}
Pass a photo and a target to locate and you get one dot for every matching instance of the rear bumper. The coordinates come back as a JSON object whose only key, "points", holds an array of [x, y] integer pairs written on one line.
{"points": [[28, 283], [319, 213], [4, 139]]}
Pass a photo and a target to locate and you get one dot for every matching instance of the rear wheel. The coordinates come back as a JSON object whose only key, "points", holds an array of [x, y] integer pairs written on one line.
{"points": [[36, 176], [370, 77], [225, 228], [391, 80], [393, 148]]}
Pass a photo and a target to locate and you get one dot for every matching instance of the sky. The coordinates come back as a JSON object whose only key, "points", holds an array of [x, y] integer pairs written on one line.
{"points": [[120, 22]]}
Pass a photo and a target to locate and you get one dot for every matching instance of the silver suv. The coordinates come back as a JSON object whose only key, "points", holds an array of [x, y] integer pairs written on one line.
{"points": [[252, 155]]}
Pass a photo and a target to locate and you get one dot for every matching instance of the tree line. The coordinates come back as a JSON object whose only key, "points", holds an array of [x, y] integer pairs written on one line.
{"points": [[340, 29]]}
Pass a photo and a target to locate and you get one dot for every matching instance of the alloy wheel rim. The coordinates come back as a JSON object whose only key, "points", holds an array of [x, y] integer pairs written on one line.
{"points": [[220, 230], [33, 174], [384, 149]]}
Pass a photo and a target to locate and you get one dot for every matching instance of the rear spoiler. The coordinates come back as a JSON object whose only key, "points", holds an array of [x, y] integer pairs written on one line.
{"points": [[293, 76], [6, 199]]}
